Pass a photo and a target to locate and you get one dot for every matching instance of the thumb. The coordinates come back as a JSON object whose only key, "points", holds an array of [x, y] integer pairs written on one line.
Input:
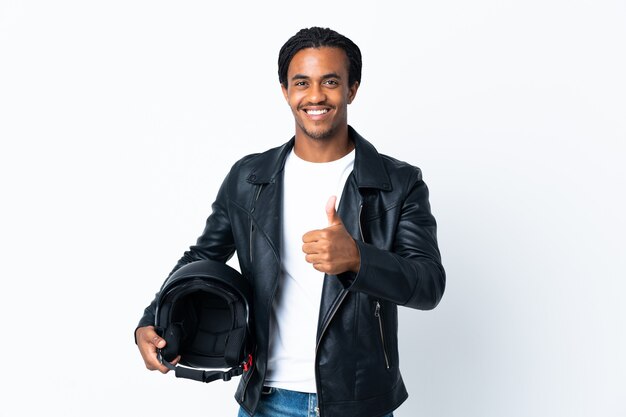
{"points": [[159, 342], [331, 212]]}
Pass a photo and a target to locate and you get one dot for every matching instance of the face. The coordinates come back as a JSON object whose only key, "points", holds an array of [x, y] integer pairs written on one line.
{"points": [[318, 92]]}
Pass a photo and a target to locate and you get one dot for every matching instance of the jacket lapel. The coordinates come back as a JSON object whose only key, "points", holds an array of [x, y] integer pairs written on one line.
{"points": [[267, 206]]}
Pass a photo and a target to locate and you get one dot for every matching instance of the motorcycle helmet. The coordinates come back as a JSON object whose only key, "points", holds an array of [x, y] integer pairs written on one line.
{"points": [[203, 313]]}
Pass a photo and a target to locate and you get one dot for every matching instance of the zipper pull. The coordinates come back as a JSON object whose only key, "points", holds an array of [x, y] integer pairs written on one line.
{"points": [[377, 311]]}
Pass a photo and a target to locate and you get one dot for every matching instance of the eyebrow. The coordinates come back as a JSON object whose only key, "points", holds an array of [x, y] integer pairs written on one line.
{"points": [[324, 77]]}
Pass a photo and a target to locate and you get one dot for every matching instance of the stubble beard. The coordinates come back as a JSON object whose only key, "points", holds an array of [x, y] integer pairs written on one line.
{"points": [[320, 134]]}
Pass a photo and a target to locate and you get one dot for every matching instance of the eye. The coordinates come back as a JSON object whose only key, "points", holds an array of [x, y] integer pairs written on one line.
{"points": [[331, 83], [299, 83]]}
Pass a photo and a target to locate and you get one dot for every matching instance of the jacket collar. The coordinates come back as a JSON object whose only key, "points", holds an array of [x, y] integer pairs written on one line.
{"points": [[369, 169]]}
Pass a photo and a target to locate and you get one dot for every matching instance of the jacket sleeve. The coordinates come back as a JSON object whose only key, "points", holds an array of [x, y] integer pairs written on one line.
{"points": [[411, 273], [216, 242]]}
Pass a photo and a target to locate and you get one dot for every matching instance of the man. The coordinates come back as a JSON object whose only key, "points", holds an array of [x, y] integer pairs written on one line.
{"points": [[333, 237]]}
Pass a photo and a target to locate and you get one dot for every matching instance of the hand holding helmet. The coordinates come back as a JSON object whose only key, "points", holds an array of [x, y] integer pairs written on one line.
{"points": [[148, 341]]}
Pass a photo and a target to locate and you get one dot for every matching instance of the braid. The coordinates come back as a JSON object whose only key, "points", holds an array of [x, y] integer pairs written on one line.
{"points": [[317, 37]]}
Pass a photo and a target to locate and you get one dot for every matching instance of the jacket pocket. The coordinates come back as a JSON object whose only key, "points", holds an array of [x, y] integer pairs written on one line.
{"points": [[383, 340]]}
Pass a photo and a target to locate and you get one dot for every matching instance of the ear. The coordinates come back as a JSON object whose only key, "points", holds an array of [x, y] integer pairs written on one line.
{"points": [[352, 91], [285, 92]]}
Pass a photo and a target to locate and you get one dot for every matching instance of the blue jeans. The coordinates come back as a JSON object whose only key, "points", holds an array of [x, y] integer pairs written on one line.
{"points": [[278, 402]]}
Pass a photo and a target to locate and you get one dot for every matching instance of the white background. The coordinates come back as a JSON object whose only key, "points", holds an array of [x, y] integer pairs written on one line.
{"points": [[119, 119]]}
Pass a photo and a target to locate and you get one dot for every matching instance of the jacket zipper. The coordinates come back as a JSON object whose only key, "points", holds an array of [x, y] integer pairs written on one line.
{"points": [[256, 197], [332, 314], [360, 224], [382, 332], [245, 386]]}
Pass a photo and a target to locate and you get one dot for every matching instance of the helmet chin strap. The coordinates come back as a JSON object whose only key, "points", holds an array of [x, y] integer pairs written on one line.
{"points": [[205, 375]]}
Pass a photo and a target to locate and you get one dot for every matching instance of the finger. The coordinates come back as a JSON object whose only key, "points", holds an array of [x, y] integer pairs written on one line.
{"points": [[311, 248], [151, 360], [154, 363], [322, 246], [331, 211], [164, 369], [309, 237], [158, 341], [313, 259], [150, 335], [313, 236], [322, 267], [148, 342], [307, 248]]}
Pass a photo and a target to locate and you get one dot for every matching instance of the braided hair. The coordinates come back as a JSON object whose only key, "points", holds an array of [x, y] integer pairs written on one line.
{"points": [[317, 37]]}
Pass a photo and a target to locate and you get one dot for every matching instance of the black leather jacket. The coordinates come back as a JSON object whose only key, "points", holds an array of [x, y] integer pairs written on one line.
{"points": [[385, 208]]}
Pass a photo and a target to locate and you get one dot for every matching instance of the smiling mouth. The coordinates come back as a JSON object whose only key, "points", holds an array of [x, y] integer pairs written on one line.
{"points": [[316, 112]]}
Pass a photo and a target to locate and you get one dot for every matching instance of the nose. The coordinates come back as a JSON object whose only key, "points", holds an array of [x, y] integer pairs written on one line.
{"points": [[316, 94]]}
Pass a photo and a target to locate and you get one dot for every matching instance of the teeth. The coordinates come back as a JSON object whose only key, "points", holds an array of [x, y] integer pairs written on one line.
{"points": [[316, 112]]}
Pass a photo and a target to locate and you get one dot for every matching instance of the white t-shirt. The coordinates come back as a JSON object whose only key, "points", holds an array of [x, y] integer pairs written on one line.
{"points": [[293, 325]]}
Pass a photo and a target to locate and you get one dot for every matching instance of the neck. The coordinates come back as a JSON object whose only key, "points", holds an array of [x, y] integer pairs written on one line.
{"points": [[323, 150]]}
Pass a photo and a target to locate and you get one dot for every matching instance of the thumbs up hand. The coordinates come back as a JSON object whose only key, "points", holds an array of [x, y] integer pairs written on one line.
{"points": [[331, 212], [331, 250]]}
